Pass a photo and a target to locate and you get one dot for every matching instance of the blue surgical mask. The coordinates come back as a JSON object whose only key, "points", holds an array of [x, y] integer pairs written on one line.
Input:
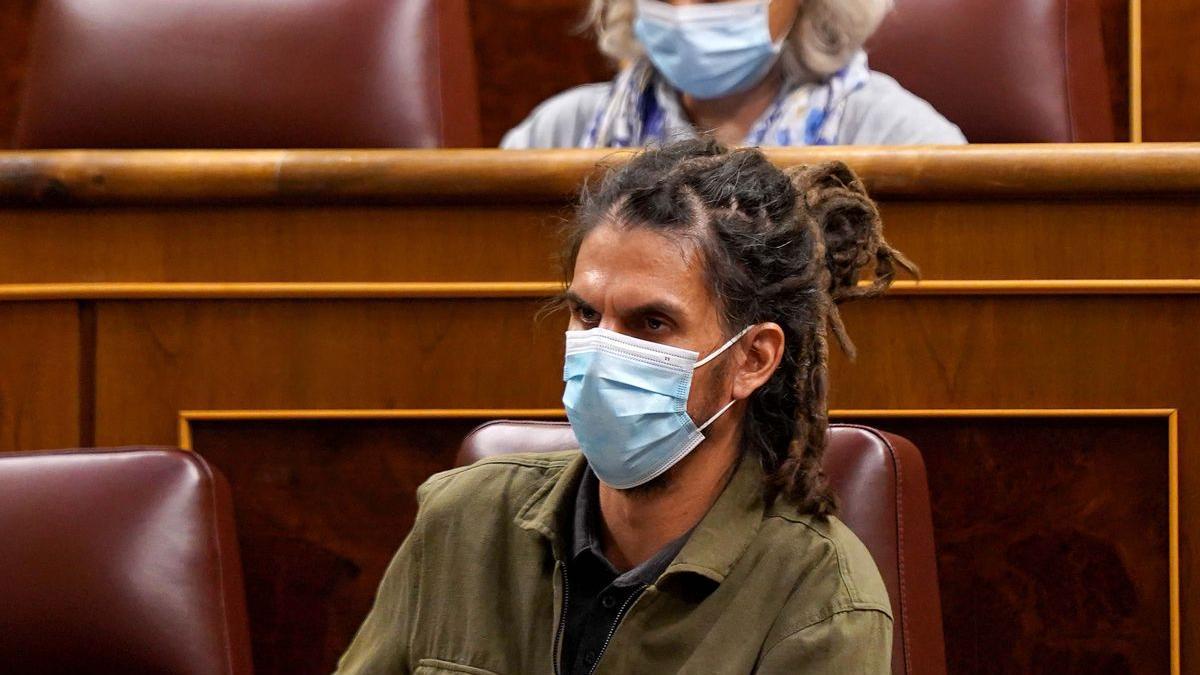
{"points": [[627, 402], [708, 50]]}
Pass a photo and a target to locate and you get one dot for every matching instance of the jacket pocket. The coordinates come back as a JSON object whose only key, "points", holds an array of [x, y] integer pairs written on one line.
{"points": [[440, 667]]}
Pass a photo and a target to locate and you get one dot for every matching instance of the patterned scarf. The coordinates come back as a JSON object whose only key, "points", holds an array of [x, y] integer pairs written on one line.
{"points": [[642, 108]]}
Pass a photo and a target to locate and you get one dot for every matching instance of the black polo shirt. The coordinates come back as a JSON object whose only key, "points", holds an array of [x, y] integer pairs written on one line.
{"points": [[597, 594]]}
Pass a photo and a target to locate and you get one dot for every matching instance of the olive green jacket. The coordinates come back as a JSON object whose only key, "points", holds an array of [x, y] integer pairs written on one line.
{"points": [[478, 586]]}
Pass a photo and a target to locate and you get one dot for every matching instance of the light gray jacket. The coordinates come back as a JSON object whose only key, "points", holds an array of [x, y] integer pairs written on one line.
{"points": [[880, 113]]}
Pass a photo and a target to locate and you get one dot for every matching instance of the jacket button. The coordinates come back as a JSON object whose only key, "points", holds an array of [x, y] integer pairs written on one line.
{"points": [[589, 657], [608, 601]]}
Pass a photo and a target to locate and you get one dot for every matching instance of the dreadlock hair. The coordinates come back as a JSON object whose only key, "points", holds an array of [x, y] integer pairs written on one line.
{"points": [[781, 246]]}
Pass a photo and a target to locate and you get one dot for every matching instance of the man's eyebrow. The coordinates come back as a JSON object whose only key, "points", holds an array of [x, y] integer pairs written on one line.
{"points": [[573, 298], [663, 307]]}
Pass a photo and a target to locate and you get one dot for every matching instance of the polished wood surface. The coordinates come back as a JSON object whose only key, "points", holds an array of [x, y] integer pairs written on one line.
{"points": [[1069, 584], [317, 561], [1038, 213], [457, 177], [316, 354], [1002, 239], [1170, 78], [43, 392], [145, 287]]}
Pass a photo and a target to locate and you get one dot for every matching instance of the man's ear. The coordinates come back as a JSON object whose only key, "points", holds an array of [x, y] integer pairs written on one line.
{"points": [[762, 351]]}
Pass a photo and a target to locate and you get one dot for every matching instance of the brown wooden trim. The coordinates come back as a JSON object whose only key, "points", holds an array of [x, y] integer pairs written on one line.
{"points": [[1173, 539], [1135, 71], [534, 289], [277, 290], [87, 373], [1047, 287], [1164, 413], [173, 177], [187, 417]]}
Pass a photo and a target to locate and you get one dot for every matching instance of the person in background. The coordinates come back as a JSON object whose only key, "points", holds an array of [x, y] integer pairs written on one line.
{"points": [[746, 72]]}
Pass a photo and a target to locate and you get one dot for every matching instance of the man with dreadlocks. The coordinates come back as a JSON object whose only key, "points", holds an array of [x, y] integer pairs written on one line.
{"points": [[693, 531]]}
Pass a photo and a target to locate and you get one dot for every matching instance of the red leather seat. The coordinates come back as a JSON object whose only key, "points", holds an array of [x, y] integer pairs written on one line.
{"points": [[120, 561], [880, 480], [1009, 71], [250, 74]]}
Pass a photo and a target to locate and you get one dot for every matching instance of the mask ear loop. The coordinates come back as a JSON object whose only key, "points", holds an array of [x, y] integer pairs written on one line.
{"points": [[720, 412], [727, 345], [712, 356]]}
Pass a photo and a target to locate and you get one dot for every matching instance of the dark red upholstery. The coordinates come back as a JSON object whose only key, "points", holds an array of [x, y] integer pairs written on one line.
{"points": [[121, 561], [884, 498], [250, 74], [880, 480], [1005, 70]]}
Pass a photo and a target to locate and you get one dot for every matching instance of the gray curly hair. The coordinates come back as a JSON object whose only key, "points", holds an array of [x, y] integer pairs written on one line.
{"points": [[824, 38]]}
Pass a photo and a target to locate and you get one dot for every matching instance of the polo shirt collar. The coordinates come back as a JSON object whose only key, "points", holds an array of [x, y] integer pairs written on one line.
{"points": [[586, 540]]}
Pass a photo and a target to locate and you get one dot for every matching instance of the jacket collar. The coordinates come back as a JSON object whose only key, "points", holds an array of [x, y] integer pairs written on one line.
{"points": [[715, 545], [549, 509], [725, 532]]}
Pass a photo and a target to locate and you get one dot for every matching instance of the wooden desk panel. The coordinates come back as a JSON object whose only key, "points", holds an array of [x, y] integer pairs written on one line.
{"points": [[1037, 238], [1092, 237], [322, 506], [1051, 539], [317, 354], [276, 243], [1057, 278], [43, 390]]}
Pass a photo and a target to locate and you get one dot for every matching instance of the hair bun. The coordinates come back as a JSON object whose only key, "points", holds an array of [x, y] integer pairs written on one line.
{"points": [[850, 228]]}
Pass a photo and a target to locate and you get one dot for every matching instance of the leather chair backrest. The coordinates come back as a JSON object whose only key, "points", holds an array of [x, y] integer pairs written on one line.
{"points": [[250, 74], [1005, 70], [121, 561], [880, 482]]}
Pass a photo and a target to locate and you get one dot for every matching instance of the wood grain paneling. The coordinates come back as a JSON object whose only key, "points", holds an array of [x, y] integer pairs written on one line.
{"points": [[1170, 78], [277, 244], [321, 507], [1022, 352], [1042, 239], [959, 239], [16, 19], [552, 177], [1009, 352], [1051, 540], [953, 240], [42, 390], [317, 354]]}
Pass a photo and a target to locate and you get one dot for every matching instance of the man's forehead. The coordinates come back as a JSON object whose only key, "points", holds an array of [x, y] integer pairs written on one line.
{"points": [[639, 262]]}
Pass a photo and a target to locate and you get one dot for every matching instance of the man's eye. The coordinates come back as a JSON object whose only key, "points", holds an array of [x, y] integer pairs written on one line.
{"points": [[654, 324], [588, 315]]}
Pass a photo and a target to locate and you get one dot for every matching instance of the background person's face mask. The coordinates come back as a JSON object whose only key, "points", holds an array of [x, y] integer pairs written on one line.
{"points": [[708, 50], [627, 399]]}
